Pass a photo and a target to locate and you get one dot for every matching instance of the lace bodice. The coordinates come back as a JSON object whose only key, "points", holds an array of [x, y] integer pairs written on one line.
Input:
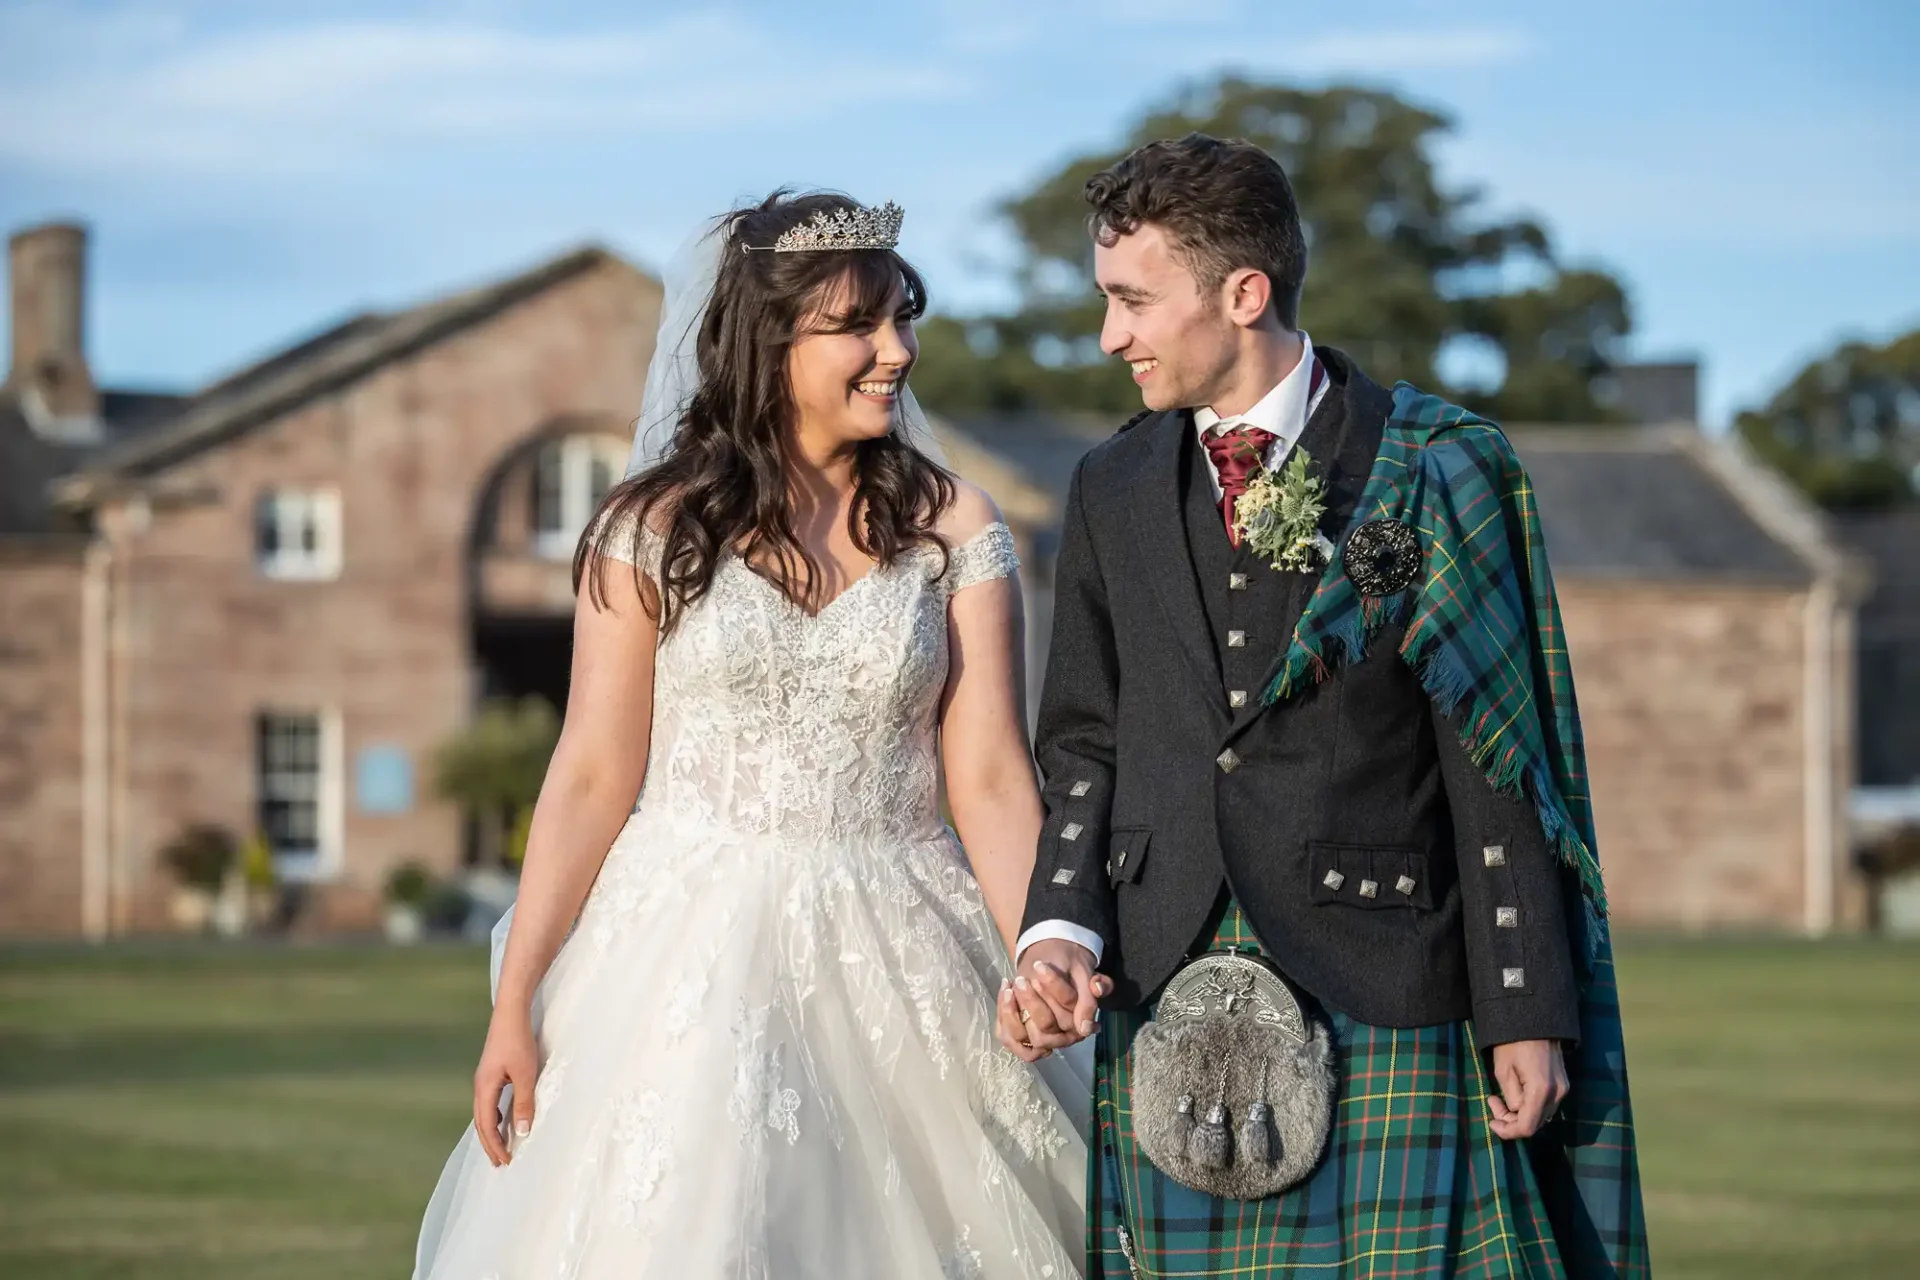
{"points": [[770, 720]]}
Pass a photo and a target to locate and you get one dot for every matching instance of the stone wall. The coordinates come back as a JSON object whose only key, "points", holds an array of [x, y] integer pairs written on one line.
{"points": [[40, 740], [1693, 700]]}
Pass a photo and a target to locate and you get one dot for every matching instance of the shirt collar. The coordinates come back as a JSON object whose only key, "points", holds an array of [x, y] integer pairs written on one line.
{"points": [[1283, 410]]}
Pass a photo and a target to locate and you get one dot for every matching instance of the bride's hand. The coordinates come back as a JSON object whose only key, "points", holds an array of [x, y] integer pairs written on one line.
{"points": [[510, 1058]]}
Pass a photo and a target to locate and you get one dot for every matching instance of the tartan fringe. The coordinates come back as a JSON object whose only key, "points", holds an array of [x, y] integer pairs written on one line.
{"points": [[1528, 778]]}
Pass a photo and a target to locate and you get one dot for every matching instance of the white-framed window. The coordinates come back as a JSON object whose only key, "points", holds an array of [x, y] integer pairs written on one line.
{"points": [[297, 534], [298, 782], [571, 476]]}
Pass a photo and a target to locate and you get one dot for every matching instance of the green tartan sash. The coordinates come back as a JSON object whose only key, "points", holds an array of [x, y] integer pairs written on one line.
{"points": [[1483, 634], [1482, 629]]}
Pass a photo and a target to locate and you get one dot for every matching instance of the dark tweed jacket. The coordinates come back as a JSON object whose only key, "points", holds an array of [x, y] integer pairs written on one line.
{"points": [[1380, 869]]}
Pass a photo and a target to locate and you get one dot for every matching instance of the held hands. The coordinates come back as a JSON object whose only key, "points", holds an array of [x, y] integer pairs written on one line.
{"points": [[1053, 1002], [509, 1058], [1533, 1081]]}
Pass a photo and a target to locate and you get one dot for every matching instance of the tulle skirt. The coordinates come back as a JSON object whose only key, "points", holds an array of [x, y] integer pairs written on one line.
{"points": [[771, 1057]]}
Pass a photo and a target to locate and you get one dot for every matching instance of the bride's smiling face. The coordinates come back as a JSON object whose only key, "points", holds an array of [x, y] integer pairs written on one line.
{"points": [[847, 372]]}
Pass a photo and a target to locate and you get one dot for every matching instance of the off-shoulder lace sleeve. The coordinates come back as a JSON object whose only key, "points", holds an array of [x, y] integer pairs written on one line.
{"points": [[629, 540], [987, 555]]}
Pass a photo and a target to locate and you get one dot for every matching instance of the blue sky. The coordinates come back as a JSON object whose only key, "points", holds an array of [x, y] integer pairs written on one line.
{"points": [[253, 171]]}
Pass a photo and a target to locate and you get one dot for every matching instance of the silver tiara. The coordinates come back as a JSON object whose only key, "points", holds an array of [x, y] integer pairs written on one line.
{"points": [[855, 228]]}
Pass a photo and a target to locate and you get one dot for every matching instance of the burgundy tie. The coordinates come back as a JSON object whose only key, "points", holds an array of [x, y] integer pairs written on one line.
{"points": [[1236, 455]]}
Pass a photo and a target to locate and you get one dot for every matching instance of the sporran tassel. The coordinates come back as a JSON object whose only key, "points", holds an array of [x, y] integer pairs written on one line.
{"points": [[1183, 1120], [1256, 1141], [1256, 1132], [1210, 1145]]}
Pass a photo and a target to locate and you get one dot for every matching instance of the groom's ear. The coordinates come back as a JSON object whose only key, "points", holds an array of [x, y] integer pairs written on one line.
{"points": [[1246, 295]]}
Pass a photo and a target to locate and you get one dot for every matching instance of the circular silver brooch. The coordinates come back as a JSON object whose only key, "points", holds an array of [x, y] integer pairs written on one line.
{"points": [[1382, 557]]}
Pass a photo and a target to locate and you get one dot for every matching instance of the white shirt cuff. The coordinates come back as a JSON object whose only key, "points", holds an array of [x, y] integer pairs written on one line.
{"points": [[1064, 931]]}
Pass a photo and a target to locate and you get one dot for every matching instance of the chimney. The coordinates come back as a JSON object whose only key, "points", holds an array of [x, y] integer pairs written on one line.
{"points": [[47, 268]]}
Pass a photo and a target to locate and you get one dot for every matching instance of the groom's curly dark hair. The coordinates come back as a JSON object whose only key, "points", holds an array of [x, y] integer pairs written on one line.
{"points": [[1225, 205]]}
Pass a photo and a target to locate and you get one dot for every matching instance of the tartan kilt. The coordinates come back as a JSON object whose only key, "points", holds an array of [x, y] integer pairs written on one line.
{"points": [[1413, 1183]]}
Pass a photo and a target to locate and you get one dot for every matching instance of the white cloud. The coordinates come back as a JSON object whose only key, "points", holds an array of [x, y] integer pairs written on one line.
{"points": [[1393, 48], [132, 92]]}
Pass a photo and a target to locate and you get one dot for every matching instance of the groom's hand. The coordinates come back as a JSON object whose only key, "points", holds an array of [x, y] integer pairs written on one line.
{"points": [[1053, 1001], [1532, 1076]]}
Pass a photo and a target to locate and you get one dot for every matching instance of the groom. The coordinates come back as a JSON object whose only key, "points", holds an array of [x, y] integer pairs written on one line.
{"points": [[1354, 753]]}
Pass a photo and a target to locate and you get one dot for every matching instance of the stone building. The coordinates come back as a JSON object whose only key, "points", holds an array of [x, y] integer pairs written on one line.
{"points": [[265, 604]]}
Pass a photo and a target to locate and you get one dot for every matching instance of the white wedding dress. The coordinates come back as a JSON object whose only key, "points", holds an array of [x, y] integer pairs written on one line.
{"points": [[767, 1046]]}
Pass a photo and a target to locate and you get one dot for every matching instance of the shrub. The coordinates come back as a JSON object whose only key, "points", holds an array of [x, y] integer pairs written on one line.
{"points": [[409, 885], [201, 856]]}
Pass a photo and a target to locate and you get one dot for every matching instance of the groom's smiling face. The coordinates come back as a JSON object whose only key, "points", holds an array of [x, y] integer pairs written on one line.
{"points": [[1179, 341]]}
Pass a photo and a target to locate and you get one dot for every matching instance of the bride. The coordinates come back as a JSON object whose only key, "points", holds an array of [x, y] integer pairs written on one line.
{"points": [[744, 1019]]}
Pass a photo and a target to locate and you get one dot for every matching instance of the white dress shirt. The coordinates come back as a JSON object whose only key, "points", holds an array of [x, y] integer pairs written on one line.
{"points": [[1284, 411]]}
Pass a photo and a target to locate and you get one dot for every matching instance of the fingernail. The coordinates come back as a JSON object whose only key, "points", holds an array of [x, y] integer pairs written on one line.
{"points": [[1022, 983], [1086, 1028], [1043, 966], [521, 1128]]}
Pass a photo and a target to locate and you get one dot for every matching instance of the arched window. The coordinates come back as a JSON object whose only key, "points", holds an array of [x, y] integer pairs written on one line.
{"points": [[570, 477]]}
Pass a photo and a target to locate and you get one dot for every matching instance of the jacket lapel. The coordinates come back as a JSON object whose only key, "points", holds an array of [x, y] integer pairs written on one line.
{"points": [[1160, 537], [1342, 441]]}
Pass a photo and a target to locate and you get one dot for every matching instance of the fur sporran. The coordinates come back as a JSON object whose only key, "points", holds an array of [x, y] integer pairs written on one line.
{"points": [[1233, 1085]]}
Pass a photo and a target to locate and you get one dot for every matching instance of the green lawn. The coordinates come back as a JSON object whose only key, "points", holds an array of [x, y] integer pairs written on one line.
{"points": [[261, 1113]]}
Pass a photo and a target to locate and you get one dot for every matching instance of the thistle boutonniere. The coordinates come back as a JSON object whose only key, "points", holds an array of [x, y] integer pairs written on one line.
{"points": [[1279, 517]]}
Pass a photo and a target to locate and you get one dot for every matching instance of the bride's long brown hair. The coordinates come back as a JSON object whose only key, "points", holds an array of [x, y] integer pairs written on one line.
{"points": [[723, 483]]}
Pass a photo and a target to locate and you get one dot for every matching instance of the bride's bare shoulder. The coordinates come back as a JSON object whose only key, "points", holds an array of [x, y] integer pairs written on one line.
{"points": [[972, 511]]}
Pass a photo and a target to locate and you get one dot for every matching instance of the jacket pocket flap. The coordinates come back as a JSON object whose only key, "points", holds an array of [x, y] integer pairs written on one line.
{"points": [[1371, 877], [1127, 853]]}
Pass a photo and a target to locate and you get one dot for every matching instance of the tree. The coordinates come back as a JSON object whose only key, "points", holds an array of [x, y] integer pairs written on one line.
{"points": [[494, 767], [1399, 266], [1846, 429]]}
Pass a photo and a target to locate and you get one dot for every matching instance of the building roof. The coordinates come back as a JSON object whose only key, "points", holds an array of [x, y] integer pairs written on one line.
{"points": [[28, 464], [1043, 447], [1626, 503], [32, 461], [314, 367]]}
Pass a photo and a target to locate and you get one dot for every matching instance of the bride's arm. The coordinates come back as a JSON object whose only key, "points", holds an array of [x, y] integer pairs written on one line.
{"points": [[590, 788], [992, 789], [592, 781]]}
